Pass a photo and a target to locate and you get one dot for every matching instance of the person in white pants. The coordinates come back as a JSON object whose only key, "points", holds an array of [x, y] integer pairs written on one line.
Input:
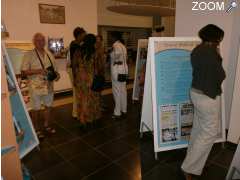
{"points": [[208, 75], [119, 66]]}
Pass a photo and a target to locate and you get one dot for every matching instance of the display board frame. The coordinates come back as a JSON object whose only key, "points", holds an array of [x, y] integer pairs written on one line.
{"points": [[21, 113], [142, 43], [149, 118], [234, 133]]}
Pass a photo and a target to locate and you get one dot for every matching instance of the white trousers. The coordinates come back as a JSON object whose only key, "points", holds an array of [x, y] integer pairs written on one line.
{"points": [[74, 111], [205, 131], [120, 97]]}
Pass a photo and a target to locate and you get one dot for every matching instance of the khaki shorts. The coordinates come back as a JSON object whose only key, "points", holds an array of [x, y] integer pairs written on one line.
{"points": [[38, 100]]}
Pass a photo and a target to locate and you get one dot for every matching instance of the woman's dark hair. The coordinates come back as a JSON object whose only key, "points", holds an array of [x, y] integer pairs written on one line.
{"points": [[78, 31], [160, 29], [211, 33], [88, 46], [117, 36]]}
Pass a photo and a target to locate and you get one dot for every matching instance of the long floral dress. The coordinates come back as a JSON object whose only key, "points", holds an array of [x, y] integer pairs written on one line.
{"points": [[88, 101]]}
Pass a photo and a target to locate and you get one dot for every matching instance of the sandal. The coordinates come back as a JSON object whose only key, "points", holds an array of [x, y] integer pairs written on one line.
{"points": [[40, 135], [50, 130]]}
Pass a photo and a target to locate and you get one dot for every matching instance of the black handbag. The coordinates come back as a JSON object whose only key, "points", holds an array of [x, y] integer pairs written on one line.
{"points": [[122, 77], [51, 73], [98, 81]]}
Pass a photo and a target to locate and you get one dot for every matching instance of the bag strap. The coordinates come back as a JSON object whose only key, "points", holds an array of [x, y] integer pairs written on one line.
{"points": [[41, 59], [50, 60]]}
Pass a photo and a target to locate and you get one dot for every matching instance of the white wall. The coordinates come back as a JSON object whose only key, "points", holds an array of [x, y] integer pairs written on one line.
{"points": [[106, 17], [234, 133], [22, 18], [189, 22]]}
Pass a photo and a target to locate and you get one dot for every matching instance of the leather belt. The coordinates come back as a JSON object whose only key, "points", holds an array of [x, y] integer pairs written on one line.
{"points": [[118, 63]]}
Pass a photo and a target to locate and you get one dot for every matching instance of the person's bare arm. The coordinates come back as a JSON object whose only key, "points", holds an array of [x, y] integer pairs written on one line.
{"points": [[33, 72]]}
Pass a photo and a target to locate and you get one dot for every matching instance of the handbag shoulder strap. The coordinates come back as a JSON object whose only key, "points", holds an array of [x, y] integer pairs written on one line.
{"points": [[39, 59], [49, 59]]}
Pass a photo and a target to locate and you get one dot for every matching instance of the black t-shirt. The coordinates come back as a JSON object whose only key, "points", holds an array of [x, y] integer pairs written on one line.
{"points": [[208, 72]]}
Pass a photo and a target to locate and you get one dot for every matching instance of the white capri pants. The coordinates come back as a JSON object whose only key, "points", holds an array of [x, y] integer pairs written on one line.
{"points": [[120, 97], [37, 100], [205, 131]]}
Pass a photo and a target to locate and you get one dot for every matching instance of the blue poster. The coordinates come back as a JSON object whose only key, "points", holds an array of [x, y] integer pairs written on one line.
{"points": [[25, 133], [173, 76], [173, 73]]}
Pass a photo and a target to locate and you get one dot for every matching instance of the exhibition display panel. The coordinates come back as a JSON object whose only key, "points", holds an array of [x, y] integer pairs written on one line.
{"points": [[25, 133], [140, 68], [167, 109]]}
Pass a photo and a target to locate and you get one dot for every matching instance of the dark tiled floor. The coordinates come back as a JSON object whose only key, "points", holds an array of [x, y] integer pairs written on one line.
{"points": [[111, 150], [168, 164]]}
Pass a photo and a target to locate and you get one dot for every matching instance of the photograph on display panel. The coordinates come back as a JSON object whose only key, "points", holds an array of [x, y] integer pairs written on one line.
{"points": [[170, 123], [186, 119]]}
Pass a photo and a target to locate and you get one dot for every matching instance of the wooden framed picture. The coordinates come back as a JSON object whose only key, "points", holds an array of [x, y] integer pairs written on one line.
{"points": [[51, 14]]}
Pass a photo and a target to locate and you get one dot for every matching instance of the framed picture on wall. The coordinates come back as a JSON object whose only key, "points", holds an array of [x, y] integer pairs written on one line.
{"points": [[51, 14]]}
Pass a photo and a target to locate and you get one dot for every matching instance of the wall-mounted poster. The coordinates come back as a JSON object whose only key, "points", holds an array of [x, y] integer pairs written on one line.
{"points": [[25, 133], [167, 109], [140, 69], [52, 14]]}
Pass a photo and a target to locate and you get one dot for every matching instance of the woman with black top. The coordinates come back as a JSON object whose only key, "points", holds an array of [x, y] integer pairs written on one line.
{"points": [[208, 75]]}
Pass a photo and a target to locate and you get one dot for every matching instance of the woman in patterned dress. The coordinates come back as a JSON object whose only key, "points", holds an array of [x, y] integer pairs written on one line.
{"points": [[88, 102]]}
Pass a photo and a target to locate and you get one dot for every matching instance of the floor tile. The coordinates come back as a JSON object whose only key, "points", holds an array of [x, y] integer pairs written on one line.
{"points": [[214, 172], [43, 145], [132, 139], [131, 163], [115, 149], [72, 149], [146, 143], [38, 161], [162, 172], [177, 155], [148, 162], [63, 171], [89, 161], [216, 149], [61, 136], [97, 138], [111, 172], [224, 158], [119, 129]]}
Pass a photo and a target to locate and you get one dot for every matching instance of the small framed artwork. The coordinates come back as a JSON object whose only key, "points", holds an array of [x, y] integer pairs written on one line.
{"points": [[51, 14]]}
